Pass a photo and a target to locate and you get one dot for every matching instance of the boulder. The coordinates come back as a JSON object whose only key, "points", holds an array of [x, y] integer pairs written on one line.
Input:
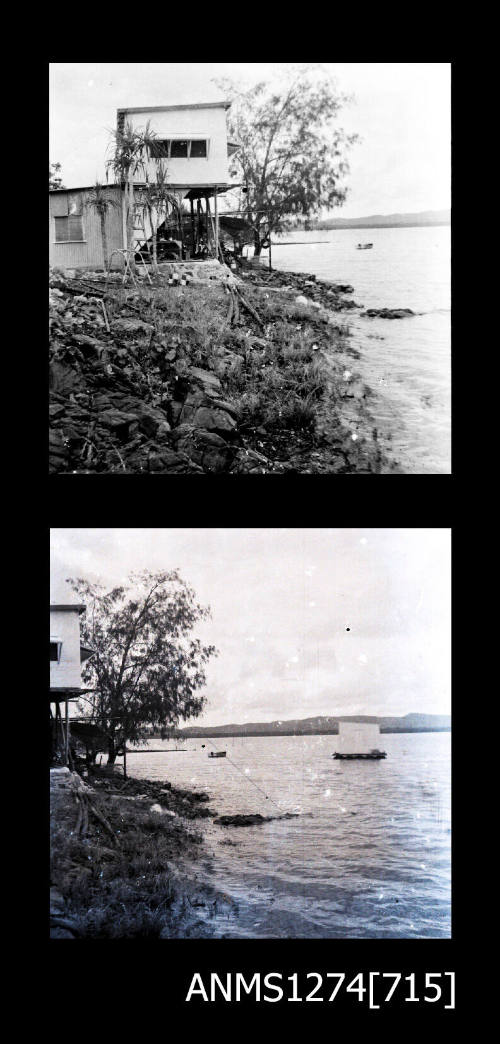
{"points": [[58, 451], [207, 379], [125, 325], [89, 344], [169, 461], [206, 448], [253, 819], [117, 421], [224, 404], [214, 420], [63, 379], [389, 313], [152, 421], [247, 461], [55, 410], [175, 410]]}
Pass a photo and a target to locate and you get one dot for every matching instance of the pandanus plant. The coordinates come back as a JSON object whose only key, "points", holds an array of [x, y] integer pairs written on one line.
{"points": [[157, 201], [100, 200], [131, 149]]}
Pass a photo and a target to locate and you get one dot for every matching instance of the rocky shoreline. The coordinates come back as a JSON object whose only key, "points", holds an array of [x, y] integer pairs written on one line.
{"points": [[127, 867], [245, 375]]}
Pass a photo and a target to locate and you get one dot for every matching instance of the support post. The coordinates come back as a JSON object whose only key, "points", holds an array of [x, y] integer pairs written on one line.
{"points": [[66, 740], [193, 244], [181, 231], [216, 215], [124, 216], [207, 210], [199, 214], [209, 216]]}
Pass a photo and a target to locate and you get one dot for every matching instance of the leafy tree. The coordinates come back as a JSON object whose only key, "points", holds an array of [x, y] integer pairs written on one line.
{"points": [[55, 180], [100, 200], [292, 155], [146, 667]]}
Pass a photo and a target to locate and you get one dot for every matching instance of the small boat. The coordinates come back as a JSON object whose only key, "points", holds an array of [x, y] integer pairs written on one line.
{"points": [[217, 754], [364, 246], [357, 740], [373, 755]]}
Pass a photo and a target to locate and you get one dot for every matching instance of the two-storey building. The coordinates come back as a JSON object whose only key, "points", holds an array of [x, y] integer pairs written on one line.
{"points": [[67, 653], [191, 142]]}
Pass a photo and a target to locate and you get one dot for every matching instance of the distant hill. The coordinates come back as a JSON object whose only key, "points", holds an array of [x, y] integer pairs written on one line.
{"points": [[424, 217], [323, 726]]}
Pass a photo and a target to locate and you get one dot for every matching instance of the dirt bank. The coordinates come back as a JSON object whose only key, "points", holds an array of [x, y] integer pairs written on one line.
{"points": [[238, 376]]}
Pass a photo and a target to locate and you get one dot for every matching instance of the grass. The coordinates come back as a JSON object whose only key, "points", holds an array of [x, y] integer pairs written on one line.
{"points": [[273, 374], [126, 889], [275, 382]]}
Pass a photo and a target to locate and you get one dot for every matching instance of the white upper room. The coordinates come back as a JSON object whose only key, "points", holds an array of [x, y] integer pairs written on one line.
{"points": [[192, 141], [66, 651]]}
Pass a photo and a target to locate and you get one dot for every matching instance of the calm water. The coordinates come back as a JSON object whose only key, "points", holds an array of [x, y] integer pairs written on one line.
{"points": [[368, 856], [405, 362]]}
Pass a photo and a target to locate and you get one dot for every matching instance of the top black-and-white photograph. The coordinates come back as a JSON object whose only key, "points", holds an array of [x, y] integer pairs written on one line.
{"points": [[250, 268]]}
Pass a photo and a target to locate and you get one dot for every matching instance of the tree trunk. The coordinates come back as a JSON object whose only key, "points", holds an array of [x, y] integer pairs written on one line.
{"points": [[130, 222], [104, 242], [155, 249], [257, 244], [111, 750]]}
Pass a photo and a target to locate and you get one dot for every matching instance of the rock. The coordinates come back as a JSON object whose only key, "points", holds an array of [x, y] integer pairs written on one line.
{"points": [[170, 461], [83, 341], [57, 903], [55, 409], [301, 300], [207, 448], [117, 421], [63, 379], [58, 451], [230, 407], [175, 410], [214, 420], [209, 381], [251, 820], [389, 313], [151, 420], [248, 460], [162, 811], [131, 326]]}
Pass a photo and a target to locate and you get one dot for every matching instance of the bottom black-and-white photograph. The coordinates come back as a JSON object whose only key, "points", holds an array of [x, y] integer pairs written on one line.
{"points": [[250, 733]]}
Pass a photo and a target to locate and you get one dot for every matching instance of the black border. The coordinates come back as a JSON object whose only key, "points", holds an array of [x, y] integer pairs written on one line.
{"points": [[119, 985]]}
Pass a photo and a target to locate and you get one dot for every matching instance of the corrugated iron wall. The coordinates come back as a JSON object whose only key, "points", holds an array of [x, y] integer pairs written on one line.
{"points": [[88, 254]]}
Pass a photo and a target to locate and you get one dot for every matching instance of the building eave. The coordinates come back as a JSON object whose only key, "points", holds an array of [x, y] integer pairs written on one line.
{"points": [[63, 695], [83, 188], [170, 108]]}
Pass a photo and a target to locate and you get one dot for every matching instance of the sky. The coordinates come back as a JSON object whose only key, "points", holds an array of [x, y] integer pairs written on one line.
{"points": [[401, 111], [307, 621]]}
